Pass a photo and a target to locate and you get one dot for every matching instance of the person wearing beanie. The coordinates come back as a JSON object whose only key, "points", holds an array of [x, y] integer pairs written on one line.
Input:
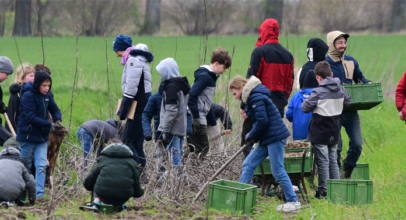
{"points": [[347, 69], [136, 84], [316, 52], [300, 120], [14, 175], [6, 69], [34, 126]]}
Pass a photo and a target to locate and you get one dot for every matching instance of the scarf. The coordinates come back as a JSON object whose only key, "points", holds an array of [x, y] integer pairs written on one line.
{"points": [[124, 58]]}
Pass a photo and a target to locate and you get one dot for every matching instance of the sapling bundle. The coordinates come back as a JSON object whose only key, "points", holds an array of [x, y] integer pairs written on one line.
{"points": [[54, 144]]}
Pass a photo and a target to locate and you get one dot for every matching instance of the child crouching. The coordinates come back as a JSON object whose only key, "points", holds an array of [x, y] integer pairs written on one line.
{"points": [[14, 175], [115, 178], [327, 103]]}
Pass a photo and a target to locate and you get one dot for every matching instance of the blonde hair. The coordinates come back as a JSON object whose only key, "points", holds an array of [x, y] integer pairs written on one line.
{"points": [[22, 71], [236, 83]]}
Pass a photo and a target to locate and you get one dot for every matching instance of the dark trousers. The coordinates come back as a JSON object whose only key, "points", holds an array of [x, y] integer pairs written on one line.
{"points": [[199, 142], [4, 135], [246, 128], [133, 137]]}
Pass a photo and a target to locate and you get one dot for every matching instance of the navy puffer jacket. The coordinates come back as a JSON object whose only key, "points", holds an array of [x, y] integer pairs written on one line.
{"points": [[268, 125], [152, 110], [33, 124]]}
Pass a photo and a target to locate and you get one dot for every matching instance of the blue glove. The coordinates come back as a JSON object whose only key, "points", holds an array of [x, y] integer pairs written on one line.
{"points": [[148, 137], [124, 107]]}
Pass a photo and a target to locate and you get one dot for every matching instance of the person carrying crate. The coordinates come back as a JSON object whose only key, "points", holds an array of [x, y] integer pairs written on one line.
{"points": [[346, 68], [327, 102]]}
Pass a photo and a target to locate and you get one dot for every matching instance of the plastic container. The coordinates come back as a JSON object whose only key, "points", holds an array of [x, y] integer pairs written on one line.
{"points": [[360, 172], [350, 192], [109, 208], [232, 196], [292, 164], [364, 96]]}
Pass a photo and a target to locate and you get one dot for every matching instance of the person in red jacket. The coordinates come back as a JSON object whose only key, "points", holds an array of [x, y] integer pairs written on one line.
{"points": [[401, 97], [273, 65]]}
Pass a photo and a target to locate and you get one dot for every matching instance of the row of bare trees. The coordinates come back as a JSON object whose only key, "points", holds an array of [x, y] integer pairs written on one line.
{"points": [[174, 17]]}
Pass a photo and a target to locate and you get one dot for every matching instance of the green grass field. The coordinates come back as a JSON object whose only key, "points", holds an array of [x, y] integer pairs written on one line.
{"points": [[381, 58]]}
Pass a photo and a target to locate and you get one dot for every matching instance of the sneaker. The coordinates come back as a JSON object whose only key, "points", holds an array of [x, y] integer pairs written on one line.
{"points": [[93, 206], [289, 207], [4, 204], [320, 195]]}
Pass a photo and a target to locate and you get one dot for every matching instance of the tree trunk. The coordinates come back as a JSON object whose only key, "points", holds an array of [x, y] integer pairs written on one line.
{"points": [[274, 9], [22, 20], [398, 15], [2, 17], [152, 17]]}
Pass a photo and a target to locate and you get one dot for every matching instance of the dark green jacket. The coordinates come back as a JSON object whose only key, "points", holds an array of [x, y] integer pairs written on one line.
{"points": [[115, 177]]}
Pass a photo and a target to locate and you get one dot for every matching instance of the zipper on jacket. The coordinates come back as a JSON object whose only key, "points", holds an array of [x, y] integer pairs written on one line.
{"points": [[348, 75], [45, 114], [28, 132]]}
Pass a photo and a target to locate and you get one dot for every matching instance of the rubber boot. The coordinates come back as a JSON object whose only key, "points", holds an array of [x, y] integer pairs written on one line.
{"points": [[347, 171]]}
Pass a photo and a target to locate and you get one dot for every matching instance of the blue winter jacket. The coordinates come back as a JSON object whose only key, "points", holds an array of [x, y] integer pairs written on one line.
{"points": [[338, 70], [33, 124], [268, 125], [152, 110], [300, 119]]}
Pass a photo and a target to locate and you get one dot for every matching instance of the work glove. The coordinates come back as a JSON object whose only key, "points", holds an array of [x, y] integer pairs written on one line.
{"points": [[57, 128], [3, 108], [248, 139], [165, 139], [124, 107], [196, 125], [148, 137]]}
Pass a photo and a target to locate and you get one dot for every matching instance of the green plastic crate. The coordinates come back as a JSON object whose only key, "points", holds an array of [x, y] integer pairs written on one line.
{"points": [[350, 192], [292, 164], [109, 208], [232, 196], [364, 96], [360, 172]]}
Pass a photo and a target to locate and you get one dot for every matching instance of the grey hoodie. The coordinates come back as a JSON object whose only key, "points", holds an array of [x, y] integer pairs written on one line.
{"points": [[327, 102], [175, 94], [14, 175]]}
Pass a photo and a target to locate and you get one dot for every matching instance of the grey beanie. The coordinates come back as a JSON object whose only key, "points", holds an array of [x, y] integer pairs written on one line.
{"points": [[6, 66], [11, 142]]}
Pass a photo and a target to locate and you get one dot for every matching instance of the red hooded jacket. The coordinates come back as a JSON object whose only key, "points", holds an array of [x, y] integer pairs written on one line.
{"points": [[401, 95], [272, 63]]}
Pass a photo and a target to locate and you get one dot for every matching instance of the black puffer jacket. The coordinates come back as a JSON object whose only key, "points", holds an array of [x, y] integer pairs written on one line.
{"points": [[316, 52], [115, 177], [13, 105]]}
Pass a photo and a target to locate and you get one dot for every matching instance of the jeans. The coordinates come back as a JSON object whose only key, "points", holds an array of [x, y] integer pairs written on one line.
{"points": [[350, 121], [175, 149], [133, 137], [38, 152], [86, 141], [325, 156], [276, 152]]}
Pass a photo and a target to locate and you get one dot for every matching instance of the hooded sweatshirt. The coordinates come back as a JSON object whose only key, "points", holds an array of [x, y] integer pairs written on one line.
{"points": [[115, 177], [14, 174], [272, 64], [327, 102], [33, 123], [175, 94], [344, 67], [316, 52]]}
